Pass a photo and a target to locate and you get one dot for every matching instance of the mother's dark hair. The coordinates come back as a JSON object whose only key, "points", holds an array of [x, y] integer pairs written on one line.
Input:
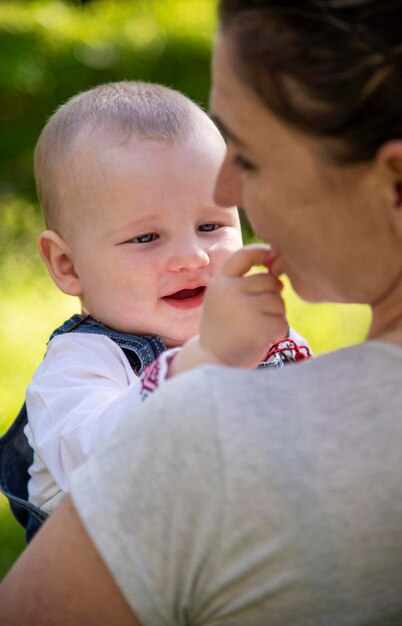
{"points": [[331, 68]]}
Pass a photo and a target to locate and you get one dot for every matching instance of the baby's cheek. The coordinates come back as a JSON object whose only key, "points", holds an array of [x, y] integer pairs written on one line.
{"points": [[227, 250]]}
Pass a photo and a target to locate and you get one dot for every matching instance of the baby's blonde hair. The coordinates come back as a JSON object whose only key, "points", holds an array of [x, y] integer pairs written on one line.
{"points": [[146, 109]]}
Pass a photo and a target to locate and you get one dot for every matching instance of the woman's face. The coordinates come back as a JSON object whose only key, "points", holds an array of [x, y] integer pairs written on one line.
{"points": [[332, 226]]}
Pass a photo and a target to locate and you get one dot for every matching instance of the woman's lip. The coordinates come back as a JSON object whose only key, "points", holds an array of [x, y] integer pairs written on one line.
{"points": [[270, 262], [183, 299], [274, 264]]}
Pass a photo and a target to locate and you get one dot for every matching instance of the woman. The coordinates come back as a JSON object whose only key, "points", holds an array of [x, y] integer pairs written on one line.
{"points": [[267, 499]]}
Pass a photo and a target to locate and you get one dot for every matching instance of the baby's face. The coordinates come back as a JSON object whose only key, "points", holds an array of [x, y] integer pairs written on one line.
{"points": [[148, 235]]}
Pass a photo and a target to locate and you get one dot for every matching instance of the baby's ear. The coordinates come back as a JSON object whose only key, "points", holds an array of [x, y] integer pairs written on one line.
{"points": [[58, 259]]}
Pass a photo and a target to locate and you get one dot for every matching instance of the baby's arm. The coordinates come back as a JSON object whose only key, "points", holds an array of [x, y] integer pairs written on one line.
{"points": [[242, 315], [81, 391]]}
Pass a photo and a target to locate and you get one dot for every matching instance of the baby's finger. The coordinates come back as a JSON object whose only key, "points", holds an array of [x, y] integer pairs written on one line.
{"points": [[269, 304], [277, 328], [261, 283], [243, 260]]}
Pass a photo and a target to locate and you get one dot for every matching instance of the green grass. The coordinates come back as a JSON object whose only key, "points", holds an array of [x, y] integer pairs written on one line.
{"points": [[327, 326], [31, 307]]}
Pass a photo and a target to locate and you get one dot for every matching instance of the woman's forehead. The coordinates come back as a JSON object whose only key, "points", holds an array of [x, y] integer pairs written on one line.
{"points": [[223, 78], [232, 102]]}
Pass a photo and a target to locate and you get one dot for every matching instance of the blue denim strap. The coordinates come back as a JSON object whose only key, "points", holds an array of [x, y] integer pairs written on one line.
{"points": [[141, 351], [16, 456]]}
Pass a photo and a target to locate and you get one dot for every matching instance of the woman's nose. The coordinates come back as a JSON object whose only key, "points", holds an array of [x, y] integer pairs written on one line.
{"points": [[188, 255], [228, 185]]}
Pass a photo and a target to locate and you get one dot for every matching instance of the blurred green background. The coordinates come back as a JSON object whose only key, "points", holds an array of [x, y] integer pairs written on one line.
{"points": [[50, 50]]}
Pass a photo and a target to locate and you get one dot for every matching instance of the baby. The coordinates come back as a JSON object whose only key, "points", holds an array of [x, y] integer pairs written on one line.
{"points": [[125, 175]]}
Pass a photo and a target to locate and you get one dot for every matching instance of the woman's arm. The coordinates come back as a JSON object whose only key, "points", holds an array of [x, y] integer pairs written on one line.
{"points": [[60, 580]]}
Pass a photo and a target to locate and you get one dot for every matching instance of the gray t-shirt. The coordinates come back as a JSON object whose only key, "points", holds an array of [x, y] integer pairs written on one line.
{"points": [[260, 498]]}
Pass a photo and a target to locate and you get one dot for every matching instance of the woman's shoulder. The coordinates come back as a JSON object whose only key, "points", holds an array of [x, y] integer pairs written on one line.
{"points": [[361, 372]]}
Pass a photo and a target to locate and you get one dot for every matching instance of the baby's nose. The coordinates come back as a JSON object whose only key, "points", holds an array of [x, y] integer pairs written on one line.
{"points": [[188, 256]]}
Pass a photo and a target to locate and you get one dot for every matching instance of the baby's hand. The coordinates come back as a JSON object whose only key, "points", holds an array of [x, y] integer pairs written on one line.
{"points": [[243, 314]]}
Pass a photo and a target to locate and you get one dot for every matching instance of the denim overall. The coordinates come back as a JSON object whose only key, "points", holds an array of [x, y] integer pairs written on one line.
{"points": [[16, 455]]}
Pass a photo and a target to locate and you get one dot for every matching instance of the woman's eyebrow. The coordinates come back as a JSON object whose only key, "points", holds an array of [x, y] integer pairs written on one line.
{"points": [[228, 134]]}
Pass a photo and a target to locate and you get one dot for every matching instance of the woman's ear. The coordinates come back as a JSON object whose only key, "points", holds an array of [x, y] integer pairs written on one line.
{"points": [[58, 259], [390, 159]]}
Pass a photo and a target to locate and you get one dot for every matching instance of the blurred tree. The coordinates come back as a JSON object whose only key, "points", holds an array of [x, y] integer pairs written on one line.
{"points": [[51, 49]]}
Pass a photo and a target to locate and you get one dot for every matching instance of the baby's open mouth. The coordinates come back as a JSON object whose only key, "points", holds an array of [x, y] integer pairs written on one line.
{"points": [[186, 293], [186, 298]]}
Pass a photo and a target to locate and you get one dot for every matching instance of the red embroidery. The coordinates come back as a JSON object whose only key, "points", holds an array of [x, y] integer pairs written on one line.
{"points": [[150, 379], [289, 350]]}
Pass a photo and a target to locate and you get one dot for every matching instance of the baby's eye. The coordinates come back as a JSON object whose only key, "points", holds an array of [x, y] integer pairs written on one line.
{"points": [[208, 228], [147, 238]]}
